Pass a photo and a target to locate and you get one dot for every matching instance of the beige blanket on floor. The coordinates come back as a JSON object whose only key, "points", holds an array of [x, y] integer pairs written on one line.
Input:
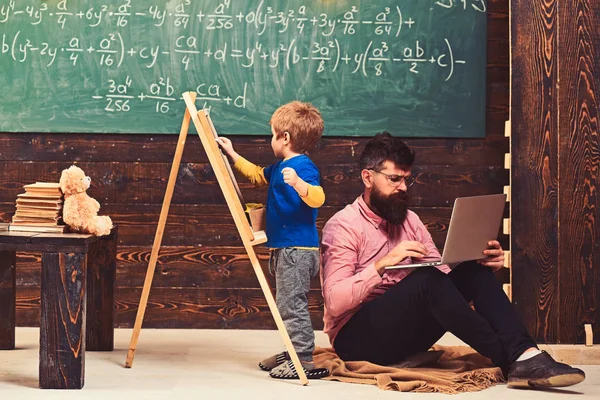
{"points": [[443, 369]]}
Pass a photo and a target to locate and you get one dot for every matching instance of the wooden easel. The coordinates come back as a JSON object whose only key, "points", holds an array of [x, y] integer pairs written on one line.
{"points": [[224, 175]]}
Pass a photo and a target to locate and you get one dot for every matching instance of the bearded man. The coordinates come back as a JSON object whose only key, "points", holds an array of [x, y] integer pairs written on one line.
{"points": [[384, 316]]}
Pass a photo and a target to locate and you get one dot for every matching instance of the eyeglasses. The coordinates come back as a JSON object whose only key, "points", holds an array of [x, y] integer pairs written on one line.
{"points": [[396, 180]]}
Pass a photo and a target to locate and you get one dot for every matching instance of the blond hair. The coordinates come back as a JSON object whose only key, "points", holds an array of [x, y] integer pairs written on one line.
{"points": [[302, 121]]}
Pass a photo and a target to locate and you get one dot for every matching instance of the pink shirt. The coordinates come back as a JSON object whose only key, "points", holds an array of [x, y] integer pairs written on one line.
{"points": [[353, 240]]}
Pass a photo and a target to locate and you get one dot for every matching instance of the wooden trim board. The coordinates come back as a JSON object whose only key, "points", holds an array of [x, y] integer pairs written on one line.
{"points": [[573, 354]]}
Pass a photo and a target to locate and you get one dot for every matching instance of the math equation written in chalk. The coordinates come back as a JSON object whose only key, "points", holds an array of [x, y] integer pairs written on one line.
{"points": [[242, 58]]}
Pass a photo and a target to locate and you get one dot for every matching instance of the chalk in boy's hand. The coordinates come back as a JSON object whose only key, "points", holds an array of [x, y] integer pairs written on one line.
{"points": [[225, 144], [227, 147], [290, 176]]}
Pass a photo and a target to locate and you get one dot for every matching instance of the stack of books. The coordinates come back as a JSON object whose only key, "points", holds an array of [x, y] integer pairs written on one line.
{"points": [[39, 209]]}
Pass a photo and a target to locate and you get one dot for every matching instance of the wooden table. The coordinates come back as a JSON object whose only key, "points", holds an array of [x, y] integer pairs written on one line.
{"points": [[77, 299]]}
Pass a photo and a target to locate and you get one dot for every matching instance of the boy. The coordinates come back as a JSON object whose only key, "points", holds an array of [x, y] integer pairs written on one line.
{"points": [[293, 198]]}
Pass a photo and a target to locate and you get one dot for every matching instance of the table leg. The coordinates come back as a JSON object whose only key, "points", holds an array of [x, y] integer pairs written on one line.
{"points": [[62, 324], [101, 276], [8, 286]]}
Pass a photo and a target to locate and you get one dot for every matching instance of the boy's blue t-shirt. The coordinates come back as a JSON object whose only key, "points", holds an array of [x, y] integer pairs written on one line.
{"points": [[290, 221]]}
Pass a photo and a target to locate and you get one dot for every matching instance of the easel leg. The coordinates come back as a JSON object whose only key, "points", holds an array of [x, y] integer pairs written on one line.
{"points": [[159, 235]]}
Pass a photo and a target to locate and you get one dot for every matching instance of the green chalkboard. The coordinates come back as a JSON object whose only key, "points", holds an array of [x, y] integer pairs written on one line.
{"points": [[412, 67]]}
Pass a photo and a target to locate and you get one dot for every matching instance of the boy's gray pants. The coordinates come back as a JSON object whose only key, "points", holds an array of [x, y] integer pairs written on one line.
{"points": [[293, 269]]}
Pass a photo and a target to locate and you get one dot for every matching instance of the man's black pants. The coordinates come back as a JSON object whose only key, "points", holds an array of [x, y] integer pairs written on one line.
{"points": [[413, 314]]}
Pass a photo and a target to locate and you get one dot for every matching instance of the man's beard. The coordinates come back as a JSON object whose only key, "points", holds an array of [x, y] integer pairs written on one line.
{"points": [[392, 208]]}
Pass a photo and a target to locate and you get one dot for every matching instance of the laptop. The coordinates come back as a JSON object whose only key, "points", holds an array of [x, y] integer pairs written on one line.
{"points": [[475, 221]]}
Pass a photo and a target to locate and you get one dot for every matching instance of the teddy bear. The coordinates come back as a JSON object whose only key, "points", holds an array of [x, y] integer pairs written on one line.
{"points": [[80, 211]]}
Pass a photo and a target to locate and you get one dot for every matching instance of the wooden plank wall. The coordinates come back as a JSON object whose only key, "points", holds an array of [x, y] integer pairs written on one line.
{"points": [[555, 167], [204, 279]]}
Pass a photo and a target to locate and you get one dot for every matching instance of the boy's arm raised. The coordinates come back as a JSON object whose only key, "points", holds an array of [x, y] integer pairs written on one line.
{"points": [[312, 195], [315, 197], [252, 172]]}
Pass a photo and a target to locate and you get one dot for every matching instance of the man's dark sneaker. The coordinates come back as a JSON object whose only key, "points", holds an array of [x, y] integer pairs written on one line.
{"points": [[542, 371]]}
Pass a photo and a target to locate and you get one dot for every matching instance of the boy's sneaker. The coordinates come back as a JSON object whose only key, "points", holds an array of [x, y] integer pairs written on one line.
{"points": [[542, 371], [269, 363], [288, 371]]}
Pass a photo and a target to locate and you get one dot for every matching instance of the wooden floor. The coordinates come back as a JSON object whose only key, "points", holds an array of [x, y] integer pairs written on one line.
{"points": [[211, 364]]}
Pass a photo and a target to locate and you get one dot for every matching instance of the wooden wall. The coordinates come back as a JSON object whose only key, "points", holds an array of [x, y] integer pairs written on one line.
{"points": [[203, 279], [555, 166]]}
